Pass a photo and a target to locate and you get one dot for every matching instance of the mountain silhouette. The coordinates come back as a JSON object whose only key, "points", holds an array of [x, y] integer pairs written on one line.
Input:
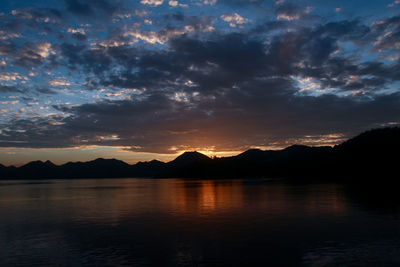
{"points": [[376, 140], [189, 158], [189, 164], [37, 169], [96, 168], [152, 168], [369, 156]]}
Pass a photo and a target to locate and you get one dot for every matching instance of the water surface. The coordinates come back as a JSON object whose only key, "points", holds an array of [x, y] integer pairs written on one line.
{"points": [[175, 222]]}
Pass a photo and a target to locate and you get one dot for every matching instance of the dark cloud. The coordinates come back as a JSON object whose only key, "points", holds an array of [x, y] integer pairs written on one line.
{"points": [[42, 20], [231, 121], [79, 7], [30, 55], [91, 7], [79, 36], [242, 3], [290, 11], [46, 90], [388, 34], [346, 30], [7, 48], [198, 23], [9, 89]]}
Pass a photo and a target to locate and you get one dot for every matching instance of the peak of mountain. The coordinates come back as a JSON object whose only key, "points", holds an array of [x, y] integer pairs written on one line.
{"points": [[95, 162], [253, 154], [147, 168], [154, 162], [376, 139], [49, 163], [252, 151], [190, 156], [34, 162], [39, 163], [103, 161], [188, 164]]}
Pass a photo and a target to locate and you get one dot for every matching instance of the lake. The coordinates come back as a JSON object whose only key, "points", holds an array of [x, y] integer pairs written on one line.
{"points": [[177, 222]]}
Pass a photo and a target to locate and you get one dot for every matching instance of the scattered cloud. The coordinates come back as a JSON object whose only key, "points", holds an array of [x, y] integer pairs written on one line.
{"points": [[291, 12], [173, 3], [396, 2], [234, 19], [152, 2], [210, 2], [59, 82], [169, 78]]}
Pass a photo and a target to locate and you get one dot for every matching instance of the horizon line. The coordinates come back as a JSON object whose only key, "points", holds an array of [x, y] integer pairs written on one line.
{"points": [[208, 153]]}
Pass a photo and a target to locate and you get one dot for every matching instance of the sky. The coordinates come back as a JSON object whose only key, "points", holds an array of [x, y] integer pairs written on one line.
{"points": [[145, 79]]}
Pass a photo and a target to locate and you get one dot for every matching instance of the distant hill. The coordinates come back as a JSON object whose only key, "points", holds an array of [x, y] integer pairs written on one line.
{"points": [[370, 155]]}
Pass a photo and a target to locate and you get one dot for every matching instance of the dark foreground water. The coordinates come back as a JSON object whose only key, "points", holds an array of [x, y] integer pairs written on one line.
{"points": [[172, 222]]}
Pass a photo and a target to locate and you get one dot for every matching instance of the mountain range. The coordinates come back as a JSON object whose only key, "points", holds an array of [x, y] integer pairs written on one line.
{"points": [[372, 154]]}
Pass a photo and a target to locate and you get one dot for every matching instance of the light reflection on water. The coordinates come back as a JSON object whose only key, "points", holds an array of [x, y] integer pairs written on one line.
{"points": [[190, 222]]}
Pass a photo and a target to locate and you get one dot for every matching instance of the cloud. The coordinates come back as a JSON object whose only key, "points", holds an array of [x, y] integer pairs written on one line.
{"points": [[163, 35], [31, 54], [210, 2], [59, 82], [46, 90], [14, 76], [396, 2], [9, 102], [288, 11], [242, 3], [78, 33], [387, 34], [37, 15], [78, 7], [228, 91], [152, 2], [185, 81], [43, 49], [234, 19], [9, 89], [92, 8], [174, 3], [79, 30]]}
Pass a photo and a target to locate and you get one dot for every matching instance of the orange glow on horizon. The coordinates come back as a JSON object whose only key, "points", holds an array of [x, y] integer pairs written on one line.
{"points": [[18, 156]]}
